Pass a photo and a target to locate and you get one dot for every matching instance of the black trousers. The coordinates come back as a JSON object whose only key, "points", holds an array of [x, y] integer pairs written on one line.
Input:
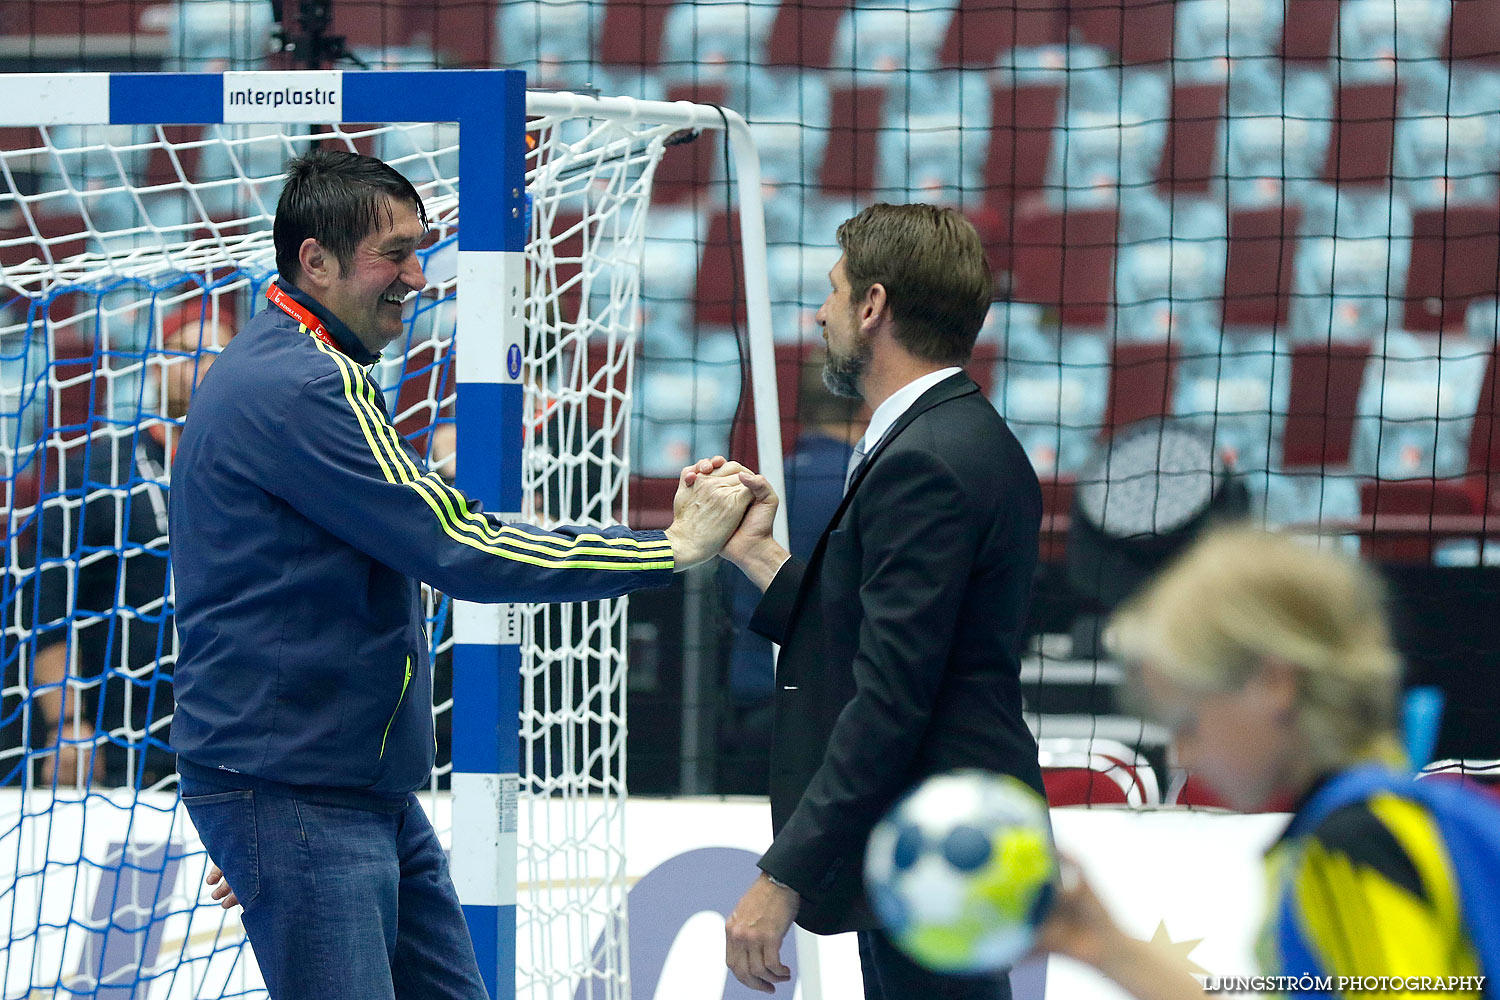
{"points": [[890, 975]]}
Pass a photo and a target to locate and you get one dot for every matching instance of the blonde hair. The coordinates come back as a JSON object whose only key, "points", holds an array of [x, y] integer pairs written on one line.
{"points": [[1241, 596]]}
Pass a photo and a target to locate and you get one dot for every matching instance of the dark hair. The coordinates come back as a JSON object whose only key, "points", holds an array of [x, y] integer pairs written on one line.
{"points": [[337, 198], [937, 278]]}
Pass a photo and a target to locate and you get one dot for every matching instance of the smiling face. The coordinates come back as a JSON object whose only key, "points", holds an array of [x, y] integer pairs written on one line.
{"points": [[367, 293]]}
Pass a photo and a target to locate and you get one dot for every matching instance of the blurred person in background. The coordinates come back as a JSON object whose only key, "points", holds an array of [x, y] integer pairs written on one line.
{"points": [[829, 428], [1272, 665], [113, 549]]}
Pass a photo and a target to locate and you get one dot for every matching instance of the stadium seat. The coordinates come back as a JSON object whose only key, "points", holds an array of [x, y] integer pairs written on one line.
{"points": [[1374, 34], [631, 34], [802, 33], [1278, 148], [1308, 29], [1170, 288], [709, 40], [1364, 132], [687, 169], [550, 41], [934, 141], [1455, 258], [720, 298], [1021, 122], [1347, 280], [1193, 154], [851, 152], [981, 30], [1238, 396], [1448, 158], [1051, 390], [1136, 32], [1259, 267], [1141, 381], [891, 40], [1474, 32], [1095, 772], [1326, 384], [1065, 260], [1210, 33], [1098, 152]]}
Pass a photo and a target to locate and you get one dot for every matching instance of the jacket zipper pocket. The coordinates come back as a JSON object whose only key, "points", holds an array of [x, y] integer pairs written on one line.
{"points": [[405, 683]]}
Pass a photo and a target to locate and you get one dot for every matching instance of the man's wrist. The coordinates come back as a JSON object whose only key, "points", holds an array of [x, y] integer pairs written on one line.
{"points": [[762, 565], [776, 881]]}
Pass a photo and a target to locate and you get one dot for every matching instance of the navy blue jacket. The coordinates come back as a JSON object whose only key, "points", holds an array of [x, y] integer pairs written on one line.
{"points": [[301, 523]]}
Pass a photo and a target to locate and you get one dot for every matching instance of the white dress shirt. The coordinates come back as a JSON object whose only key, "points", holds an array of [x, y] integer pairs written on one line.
{"points": [[888, 412]]}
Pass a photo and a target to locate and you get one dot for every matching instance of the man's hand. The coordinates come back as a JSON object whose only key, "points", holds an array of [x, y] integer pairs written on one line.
{"points": [[222, 892], [709, 504], [754, 932], [751, 547]]}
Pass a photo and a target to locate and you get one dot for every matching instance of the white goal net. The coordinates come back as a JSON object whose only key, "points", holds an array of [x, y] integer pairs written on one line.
{"points": [[128, 256]]}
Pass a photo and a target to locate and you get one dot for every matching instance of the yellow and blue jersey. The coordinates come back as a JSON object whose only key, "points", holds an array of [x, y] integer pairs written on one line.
{"points": [[1373, 893], [301, 525]]}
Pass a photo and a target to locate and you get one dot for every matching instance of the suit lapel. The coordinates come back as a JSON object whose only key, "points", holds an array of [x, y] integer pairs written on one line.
{"points": [[951, 387]]}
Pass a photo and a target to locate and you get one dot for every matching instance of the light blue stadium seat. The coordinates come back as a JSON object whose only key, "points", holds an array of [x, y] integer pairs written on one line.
{"points": [[1052, 392], [891, 40], [1239, 396], [1482, 321], [1170, 286], [1375, 34], [217, 35], [1277, 138], [1210, 33], [553, 42], [1114, 139], [1351, 267], [786, 96], [673, 244], [710, 42], [685, 406], [1310, 496], [1442, 159], [1417, 407], [798, 276]]}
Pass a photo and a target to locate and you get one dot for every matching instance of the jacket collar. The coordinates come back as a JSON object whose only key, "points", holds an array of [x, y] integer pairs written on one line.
{"points": [[952, 387], [341, 334]]}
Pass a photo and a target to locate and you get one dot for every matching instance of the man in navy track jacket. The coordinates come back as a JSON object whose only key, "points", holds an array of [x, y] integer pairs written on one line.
{"points": [[301, 525]]}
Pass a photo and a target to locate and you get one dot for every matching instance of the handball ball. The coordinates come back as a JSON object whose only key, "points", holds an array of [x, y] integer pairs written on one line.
{"points": [[961, 871]]}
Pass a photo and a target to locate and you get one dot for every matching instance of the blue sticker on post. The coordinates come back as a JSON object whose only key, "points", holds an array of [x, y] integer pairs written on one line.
{"points": [[513, 361]]}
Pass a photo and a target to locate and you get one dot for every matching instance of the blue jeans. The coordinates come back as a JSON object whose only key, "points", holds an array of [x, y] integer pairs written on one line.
{"points": [[340, 902]]}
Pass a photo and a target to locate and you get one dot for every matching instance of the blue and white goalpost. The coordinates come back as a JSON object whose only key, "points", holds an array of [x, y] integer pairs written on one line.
{"points": [[135, 218]]}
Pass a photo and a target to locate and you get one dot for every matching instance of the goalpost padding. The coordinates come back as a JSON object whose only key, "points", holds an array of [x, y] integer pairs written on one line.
{"points": [[499, 376]]}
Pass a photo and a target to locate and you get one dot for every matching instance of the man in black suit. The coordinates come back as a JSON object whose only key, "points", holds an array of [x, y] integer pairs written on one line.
{"points": [[901, 635]]}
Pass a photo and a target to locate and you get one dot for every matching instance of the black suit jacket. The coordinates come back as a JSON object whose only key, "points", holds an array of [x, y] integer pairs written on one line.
{"points": [[900, 642]]}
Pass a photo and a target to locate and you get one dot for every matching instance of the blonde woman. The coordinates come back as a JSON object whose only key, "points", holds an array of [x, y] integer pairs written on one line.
{"points": [[1272, 666]]}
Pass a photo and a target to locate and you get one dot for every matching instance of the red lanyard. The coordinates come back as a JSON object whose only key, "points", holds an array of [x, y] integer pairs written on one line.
{"points": [[281, 300]]}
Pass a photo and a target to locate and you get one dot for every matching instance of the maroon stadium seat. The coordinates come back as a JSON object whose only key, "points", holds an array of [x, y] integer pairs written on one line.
{"points": [[982, 30], [1258, 274], [853, 139], [716, 303], [1065, 260], [1190, 154], [686, 169], [1308, 29], [1364, 134], [632, 31], [1455, 252], [462, 32], [1136, 31], [802, 33], [1474, 30], [1322, 404], [1021, 124], [1141, 377]]}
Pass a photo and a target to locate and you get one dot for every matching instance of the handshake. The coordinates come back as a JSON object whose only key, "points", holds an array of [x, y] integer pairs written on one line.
{"points": [[723, 508]]}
